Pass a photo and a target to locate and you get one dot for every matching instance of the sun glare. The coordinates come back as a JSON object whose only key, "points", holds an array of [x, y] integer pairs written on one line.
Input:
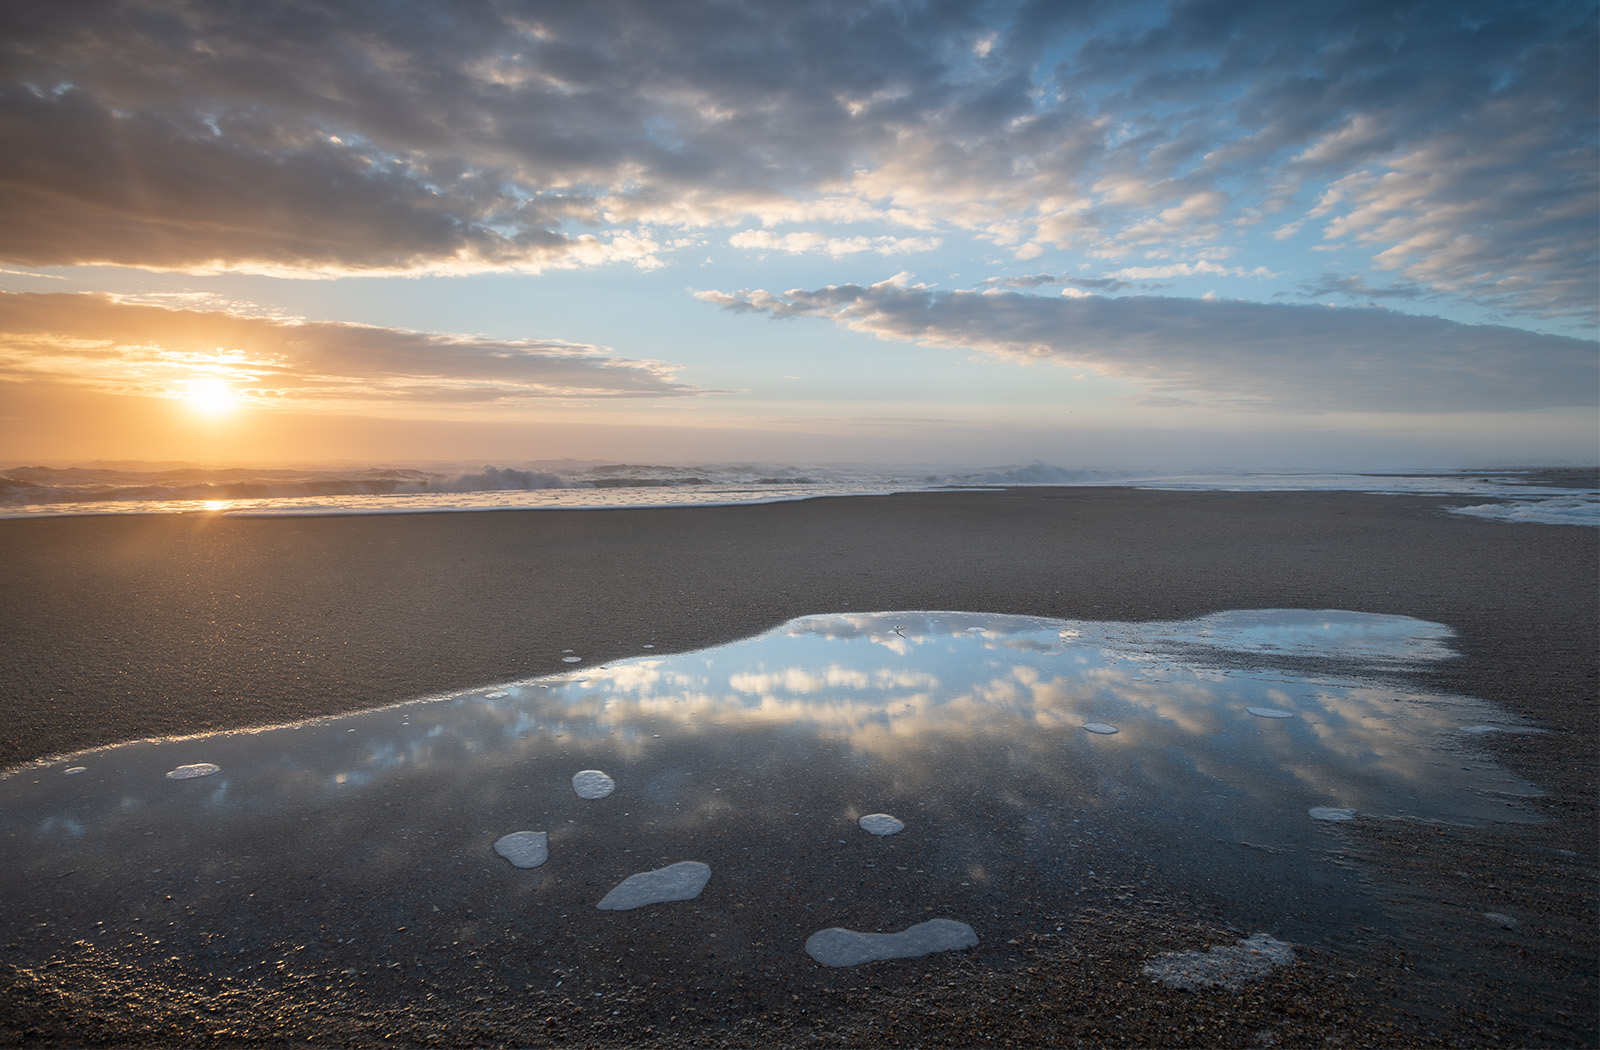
{"points": [[211, 397]]}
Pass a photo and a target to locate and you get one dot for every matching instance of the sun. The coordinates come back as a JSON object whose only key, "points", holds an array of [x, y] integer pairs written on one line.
{"points": [[211, 397]]}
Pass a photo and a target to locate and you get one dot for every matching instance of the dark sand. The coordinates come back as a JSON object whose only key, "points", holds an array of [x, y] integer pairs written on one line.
{"points": [[117, 628]]}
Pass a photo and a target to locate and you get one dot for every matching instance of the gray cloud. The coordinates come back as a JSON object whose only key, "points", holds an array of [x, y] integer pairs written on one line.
{"points": [[1225, 353], [1460, 136], [1355, 287], [137, 348]]}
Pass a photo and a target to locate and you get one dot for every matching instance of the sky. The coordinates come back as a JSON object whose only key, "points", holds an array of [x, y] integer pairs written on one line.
{"points": [[1196, 234]]}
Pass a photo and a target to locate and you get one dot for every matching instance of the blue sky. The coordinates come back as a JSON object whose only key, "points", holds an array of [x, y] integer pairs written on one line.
{"points": [[1214, 233]]}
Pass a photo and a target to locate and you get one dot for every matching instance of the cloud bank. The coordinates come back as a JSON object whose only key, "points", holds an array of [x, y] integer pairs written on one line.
{"points": [[147, 350], [1224, 353], [1450, 145]]}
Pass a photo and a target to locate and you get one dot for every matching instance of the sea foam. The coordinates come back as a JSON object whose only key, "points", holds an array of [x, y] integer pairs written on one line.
{"points": [[676, 882], [591, 783], [524, 849], [837, 946]]}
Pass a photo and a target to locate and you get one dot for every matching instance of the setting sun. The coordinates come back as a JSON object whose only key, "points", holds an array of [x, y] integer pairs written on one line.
{"points": [[212, 397]]}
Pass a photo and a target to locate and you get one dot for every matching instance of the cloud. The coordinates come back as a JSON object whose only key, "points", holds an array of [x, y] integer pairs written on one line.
{"points": [[1355, 287], [1225, 353], [799, 243], [407, 135], [152, 350]]}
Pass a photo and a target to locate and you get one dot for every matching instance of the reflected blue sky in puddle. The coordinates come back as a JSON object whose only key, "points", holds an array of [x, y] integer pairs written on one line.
{"points": [[758, 756]]}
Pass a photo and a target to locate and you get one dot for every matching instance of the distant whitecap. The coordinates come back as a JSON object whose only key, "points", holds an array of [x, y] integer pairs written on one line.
{"points": [[676, 882], [592, 783], [1331, 813], [838, 946], [1103, 728], [198, 769], [881, 824], [525, 849], [1269, 712]]}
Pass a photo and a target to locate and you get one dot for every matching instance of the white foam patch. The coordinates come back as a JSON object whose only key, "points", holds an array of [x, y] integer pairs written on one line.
{"points": [[1331, 813], [1583, 509], [676, 882], [198, 769], [74, 771], [495, 696], [1103, 728], [591, 783], [1224, 966], [1269, 712], [881, 824], [525, 849], [572, 659], [838, 946]]}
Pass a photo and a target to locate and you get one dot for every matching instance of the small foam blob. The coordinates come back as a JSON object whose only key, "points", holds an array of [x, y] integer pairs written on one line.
{"points": [[1331, 813], [197, 769], [591, 783], [495, 695], [571, 659], [1103, 728], [524, 849], [881, 824], [676, 882], [74, 771], [837, 946], [1223, 966], [1269, 712]]}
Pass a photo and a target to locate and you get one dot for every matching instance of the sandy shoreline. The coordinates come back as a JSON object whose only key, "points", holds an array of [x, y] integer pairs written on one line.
{"points": [[120, 628]]}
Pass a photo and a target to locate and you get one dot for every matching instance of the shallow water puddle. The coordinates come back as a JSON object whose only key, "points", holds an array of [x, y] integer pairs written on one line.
{"points": [[1033, 768]]}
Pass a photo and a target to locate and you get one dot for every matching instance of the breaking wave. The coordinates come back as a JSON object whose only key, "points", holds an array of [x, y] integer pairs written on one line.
{"points": [[1530, 495]]}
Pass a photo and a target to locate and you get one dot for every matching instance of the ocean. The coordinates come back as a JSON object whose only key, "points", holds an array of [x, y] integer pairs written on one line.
{"points": [[1539, 495]]}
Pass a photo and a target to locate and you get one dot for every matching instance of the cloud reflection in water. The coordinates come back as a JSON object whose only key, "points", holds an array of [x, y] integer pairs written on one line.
{"points": [[974, 737]]}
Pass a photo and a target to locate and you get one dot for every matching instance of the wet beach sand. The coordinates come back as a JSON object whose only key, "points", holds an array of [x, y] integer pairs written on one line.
{"points": [[122, 628]]}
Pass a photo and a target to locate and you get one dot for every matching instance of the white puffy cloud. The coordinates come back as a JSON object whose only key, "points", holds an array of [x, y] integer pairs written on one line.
{"points": [[1224, 352], [801, 242]]}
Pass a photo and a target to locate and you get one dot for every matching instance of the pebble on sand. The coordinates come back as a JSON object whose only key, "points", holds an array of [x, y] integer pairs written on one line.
{"points": [[524, 849], [197, 769], [837, 946], [881, 824], [676, 882], [591, 783]]}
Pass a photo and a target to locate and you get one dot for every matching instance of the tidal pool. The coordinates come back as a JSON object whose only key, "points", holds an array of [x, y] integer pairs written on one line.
{"points": [[1223, 759]]}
